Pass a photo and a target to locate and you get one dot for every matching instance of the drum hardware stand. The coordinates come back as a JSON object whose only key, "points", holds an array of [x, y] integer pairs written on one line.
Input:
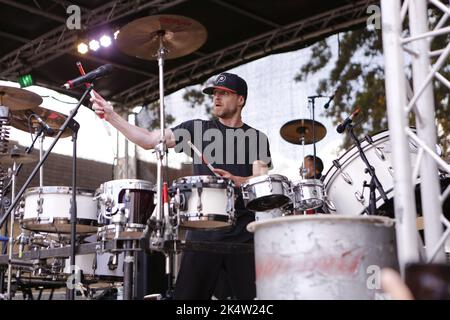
{"points": [[69, 122], [312, 100], [161, 147], [374, 182]]}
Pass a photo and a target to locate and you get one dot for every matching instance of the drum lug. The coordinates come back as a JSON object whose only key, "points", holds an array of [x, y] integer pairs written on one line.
{"points": [[230, 202], [330, 205], [359, 196], [391, 171], [345, 175], [380, 153], [199, 203], [245, 195]]}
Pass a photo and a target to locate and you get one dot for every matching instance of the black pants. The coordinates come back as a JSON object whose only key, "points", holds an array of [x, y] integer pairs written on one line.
{"points": [[199, 273]]}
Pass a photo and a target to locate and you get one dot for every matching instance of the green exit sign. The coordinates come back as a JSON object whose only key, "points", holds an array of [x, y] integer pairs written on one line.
{"points": [[25, 80]]}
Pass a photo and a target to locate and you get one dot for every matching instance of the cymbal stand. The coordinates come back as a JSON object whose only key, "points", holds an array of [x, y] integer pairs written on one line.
{"points": [[312, 100], [11, 183], [41, 152], [165, 239], [11, 234], [161, 148]]}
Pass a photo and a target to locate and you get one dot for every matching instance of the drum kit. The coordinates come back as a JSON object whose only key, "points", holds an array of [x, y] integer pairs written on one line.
{"points": [[121, 213]]}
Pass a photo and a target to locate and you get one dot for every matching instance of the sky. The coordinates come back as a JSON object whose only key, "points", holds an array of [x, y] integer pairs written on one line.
{"points": [[274, 98]]}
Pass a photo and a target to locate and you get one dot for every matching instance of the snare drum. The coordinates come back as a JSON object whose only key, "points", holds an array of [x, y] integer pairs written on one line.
{"points": [[206, 202], [308, 194], [137, 195], [266, 192], [48, 209]]}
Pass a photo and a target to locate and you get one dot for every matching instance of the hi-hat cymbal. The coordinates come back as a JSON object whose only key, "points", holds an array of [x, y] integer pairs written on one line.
{"points": [[17, 156], [18, 99], [19, 120], [180, 36], [301, 130]]}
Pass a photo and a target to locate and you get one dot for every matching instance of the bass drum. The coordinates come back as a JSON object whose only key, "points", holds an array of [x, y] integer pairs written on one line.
{"points": [[345, 179]]}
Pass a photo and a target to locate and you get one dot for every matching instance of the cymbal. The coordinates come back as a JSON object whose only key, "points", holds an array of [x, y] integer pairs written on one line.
{"points": [[8, 159], [296, 131], [18, 99], [19, 120], [180, 36]]}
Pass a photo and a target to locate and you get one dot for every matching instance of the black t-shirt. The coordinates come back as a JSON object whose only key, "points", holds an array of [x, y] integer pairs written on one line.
{"points": [[230, 149]]}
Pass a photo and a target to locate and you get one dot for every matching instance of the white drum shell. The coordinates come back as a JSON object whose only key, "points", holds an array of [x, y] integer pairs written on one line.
{"points": [[108, 194], [322, 256], [344, 187], [85, 263], [55, 216], [308, 194], [266, 192], [216, 202]]}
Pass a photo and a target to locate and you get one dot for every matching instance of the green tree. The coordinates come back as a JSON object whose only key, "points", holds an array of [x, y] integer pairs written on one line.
{"points": [[196, 98], [149, 118], [357, 78]]}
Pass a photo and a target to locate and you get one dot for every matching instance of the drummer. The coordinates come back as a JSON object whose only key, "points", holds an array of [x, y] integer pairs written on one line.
{"points": [[308, 171], [311, 170], [231, 147]]}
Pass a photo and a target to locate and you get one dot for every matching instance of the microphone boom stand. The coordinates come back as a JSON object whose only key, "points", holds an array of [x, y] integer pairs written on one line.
{"points": [[374, 182]]}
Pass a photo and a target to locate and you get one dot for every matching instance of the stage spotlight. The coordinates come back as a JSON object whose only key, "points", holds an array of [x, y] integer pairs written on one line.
{"points": [[82, 48], [105, 41], [94, 45]]}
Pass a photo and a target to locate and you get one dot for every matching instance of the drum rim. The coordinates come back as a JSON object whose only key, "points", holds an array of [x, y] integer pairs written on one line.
{"points": [[58, 190], [315, 182], [82, 222], [265, 177], [206, 179], [377, 220], [133, 182]]}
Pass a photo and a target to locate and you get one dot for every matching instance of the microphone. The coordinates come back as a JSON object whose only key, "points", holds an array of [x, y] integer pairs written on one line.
{"points": [[44, 124], [89, 77], [342, 126], [328, 102]]}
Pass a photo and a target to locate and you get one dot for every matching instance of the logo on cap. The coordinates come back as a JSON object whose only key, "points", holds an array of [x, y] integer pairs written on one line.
{"points": [[222, 78]]}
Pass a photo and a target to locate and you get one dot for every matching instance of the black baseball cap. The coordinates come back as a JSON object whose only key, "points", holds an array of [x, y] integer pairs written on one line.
{"points": [[229, 82]]}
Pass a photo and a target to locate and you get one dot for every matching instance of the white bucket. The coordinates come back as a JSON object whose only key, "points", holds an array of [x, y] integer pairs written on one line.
{"points": [[322, 256]]}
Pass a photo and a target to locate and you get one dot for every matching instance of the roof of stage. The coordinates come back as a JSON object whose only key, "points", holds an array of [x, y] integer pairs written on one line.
{"points": [[35, 39]]}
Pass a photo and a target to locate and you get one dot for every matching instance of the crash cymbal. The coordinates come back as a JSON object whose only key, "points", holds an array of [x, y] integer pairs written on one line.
{"points": [[8, 159], [296, 131], [19, 120], [18, 99], [180, 36]]}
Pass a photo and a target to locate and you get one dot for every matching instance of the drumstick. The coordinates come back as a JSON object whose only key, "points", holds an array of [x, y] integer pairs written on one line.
{"points": [[82, 72], [194, 148]]}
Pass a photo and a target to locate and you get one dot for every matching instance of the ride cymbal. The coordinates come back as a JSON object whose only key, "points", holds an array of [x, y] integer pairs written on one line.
{"points": [[301, 131], [180, 36], [18, 99]]}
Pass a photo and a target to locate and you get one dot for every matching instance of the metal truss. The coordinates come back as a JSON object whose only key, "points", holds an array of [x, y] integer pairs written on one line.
{"points": [[62, 40], [415, 42], [279, 39]]}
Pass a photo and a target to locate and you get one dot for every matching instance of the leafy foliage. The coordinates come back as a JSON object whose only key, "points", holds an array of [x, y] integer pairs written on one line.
{"points": [[149, 117], [196, 98], [357, 78]]}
